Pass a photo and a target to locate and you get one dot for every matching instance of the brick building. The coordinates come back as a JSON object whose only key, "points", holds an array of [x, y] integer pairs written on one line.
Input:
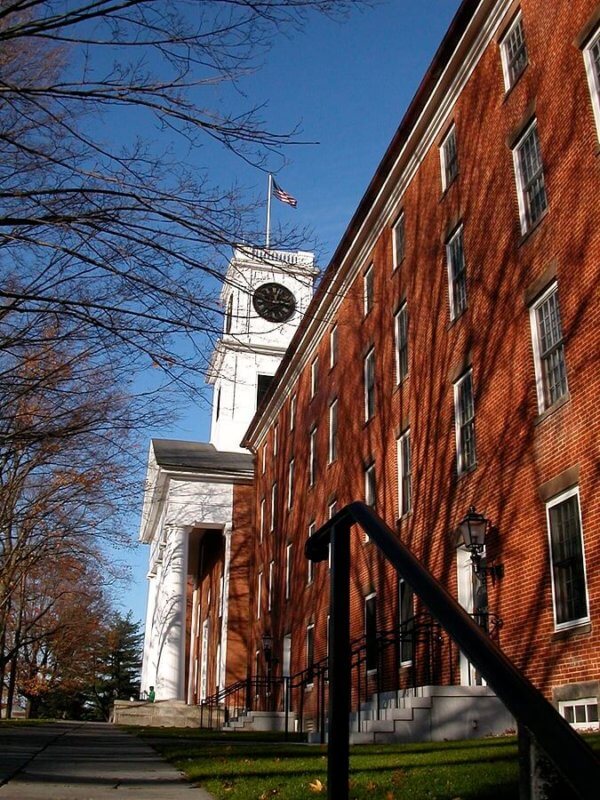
{"points": [[449, 359]]}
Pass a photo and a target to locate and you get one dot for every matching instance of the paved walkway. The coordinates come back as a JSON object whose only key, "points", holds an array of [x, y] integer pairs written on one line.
{"points": [[85, 761]]}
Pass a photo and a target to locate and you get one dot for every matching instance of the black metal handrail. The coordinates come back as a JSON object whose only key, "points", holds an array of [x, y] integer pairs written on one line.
{"points": [[571, 756]]}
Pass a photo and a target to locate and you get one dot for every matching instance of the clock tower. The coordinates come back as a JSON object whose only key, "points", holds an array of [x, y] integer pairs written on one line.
{"points": [[264, 296]]}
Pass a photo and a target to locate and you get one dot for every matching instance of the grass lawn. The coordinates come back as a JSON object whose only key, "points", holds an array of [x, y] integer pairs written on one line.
{"points": [[258, 767]]}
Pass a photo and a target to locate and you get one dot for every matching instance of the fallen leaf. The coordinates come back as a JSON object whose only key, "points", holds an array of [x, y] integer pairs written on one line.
{"points": [[317, 786]]}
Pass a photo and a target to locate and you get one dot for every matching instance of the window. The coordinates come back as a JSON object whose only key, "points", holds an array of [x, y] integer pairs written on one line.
{"points": [[314, 377], [404, 485], [368, 278], [331, 512], [290, 497], [371, 632], [370, 487], [548, 349], [514, 53], [449, 158], [312, 458], [262, 387], [275, 439], [531, 187], [398, 241], [580, 713], [569, 591], [218, 410], [258, 595], [333, 430], [264, 458], [401, 334], [406, 621], [457, 273], [333, 346], [292, 412], [310, 652], [310, 565], [369, 370], [229, 316], [273, 506], [288, 570], [270, 588], [464, 414], [591, 55], [263, 506]]}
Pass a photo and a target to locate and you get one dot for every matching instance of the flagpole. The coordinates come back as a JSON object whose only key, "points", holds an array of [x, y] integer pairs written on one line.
{"points": [[269, 194]]}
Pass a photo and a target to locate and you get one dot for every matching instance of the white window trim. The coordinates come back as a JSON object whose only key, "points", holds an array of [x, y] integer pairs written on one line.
{"points": [[584, 701], [504, 53], [535, 339], [397, 316], [311, 628], [460, 466], [270, 591], [275, 439], [368, 280], [370, 357], [332, 443], [400, 459], [290, 497], [593, 79], [400, 222], [273, 506], [450, 132], [331, 512], [292, 412], [288, 570], [264, 458], [459, 232], [259, 595], [333, 345], [263, 508], [312, 457], [314, 376], [404, 662], [572, 623], [310, 565], [521, 191]]}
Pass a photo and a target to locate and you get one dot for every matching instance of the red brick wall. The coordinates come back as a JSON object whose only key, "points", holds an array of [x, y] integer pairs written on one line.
{"points": [[516, 451]]}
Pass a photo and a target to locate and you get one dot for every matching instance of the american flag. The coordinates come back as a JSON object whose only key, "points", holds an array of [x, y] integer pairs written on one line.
{"points": [[284, 196]]}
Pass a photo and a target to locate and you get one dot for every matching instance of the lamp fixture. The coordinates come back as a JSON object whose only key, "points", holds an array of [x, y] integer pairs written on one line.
{"points": [[471, 533]]}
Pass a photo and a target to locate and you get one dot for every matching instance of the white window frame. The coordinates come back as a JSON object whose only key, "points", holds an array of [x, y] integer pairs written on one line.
{"points": [[310, 565], [259, 594], [399, 225], [538, 362], [263, 510], [292, 412], [555, 501], [274, 499], [371, 596], [290, 497], [370, 485], [275, 438], [310, 636], [401, 326], [584, 702], [459, 278], [333, 430], [522, 196], [333, 346], [511, 80], [270, 587], [264, 458], [368, 289], [404, 505], [461, 466], [331, 512], [312, 457], [369, 384], [288, 570], [314, 377], [593, 76], [402, 583], [447, 178]]}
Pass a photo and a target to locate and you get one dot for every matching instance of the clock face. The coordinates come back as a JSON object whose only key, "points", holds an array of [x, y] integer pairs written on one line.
{"points": [[274, 302]]}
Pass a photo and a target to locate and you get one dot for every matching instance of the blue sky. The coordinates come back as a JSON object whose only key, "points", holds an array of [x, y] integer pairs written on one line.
{"points": [[347, 85]]}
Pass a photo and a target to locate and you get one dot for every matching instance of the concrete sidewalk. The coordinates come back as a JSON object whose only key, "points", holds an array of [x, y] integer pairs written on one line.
{"points": [[85, 761]]}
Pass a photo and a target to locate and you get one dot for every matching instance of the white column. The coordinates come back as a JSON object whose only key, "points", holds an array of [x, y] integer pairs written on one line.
{"points": [[222, 676], [168, 623]]}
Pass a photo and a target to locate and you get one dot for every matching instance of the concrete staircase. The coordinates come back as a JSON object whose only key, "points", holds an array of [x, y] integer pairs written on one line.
{"points": [[261, 721], [429, 714], [162, 713]]}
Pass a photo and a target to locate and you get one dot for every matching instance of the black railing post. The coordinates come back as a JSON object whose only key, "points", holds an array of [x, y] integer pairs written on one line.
{"points": [[338, 753]]}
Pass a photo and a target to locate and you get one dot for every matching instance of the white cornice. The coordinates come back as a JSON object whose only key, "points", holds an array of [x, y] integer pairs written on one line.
{"points": [[477, 37]]}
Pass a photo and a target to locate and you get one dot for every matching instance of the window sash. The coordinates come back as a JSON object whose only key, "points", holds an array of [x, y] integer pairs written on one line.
{"points": [[399, 241], [404, 474], [591, 55], [569, 586], [292, 412], [288, 570], [369, 370], [457, 274], [406, 621], [312, 458], [270, 588], [259, 595], [291, 468], [532, 194], [401, 330], [368, 289], [465, 423], [515, 52], [314, 377], [333, 431], [449, 158], [310, 651], [273, 506], [333, 346], [370, 486], [310, 565], [549, 351]]}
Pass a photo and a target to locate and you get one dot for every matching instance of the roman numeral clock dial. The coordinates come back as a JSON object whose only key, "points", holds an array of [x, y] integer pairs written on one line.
{"points": [[274, 302]]}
